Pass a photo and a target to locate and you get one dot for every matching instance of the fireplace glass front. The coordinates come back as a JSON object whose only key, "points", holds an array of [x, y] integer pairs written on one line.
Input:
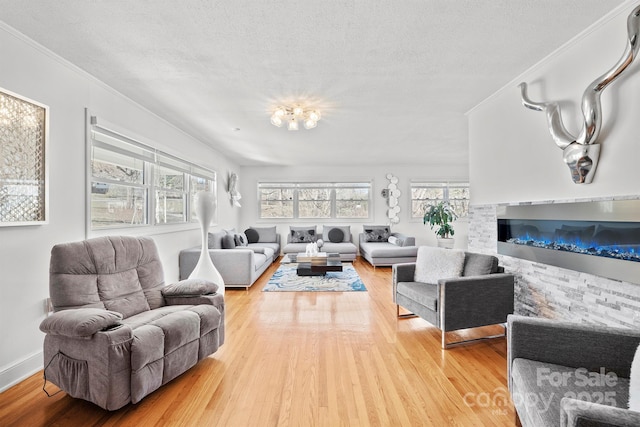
{"points": [[600, 238]]}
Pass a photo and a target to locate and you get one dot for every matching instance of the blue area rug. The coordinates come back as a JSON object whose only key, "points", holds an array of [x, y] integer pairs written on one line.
{"points": [[285, 279]]}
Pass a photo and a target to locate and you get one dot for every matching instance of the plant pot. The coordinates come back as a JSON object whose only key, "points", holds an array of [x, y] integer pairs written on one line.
{"points": [[446, 243]]}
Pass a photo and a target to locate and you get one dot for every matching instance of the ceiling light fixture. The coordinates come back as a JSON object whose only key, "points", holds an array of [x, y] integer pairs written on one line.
{"points": [[292, 114]]}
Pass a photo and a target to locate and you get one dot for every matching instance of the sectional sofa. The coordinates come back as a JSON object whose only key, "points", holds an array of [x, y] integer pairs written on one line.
{"points": [[239, 257], [381, 247], [332, 238]]}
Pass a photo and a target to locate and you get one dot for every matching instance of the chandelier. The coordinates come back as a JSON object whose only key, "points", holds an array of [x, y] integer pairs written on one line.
{"points": [[291, 115]]}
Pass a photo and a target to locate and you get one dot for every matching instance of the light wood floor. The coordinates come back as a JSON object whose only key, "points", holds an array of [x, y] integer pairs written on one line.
{"points": [[308, 359]]}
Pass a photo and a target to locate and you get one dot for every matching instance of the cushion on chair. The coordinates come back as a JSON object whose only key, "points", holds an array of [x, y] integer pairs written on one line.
{"points": [[479, 264], [119, 273], [79, 322], [423, 293], [433, 264], [538, 388], [190, 287]]}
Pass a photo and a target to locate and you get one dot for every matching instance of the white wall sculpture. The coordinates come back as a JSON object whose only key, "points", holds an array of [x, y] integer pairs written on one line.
{"points": [[393, 194]]}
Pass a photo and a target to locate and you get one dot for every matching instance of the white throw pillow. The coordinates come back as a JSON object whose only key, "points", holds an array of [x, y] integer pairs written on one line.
{"points": [[634, 383], [433, 264]]}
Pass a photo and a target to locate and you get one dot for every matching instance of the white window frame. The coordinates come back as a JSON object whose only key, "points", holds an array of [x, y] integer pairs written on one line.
{"points": [[98, 134], [332, 186], [445, 186]]}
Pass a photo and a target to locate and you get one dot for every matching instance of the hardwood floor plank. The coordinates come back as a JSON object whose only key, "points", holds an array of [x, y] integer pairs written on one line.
{"points": [[309, 359]]}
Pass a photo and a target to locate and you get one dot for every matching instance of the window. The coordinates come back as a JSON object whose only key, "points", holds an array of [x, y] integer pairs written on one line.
{"points": [[314, 200], [424, 194], [133, 184], [276, 201]]}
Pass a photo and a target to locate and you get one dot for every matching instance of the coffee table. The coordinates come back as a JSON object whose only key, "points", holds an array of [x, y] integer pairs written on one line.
{"points": [[318, 265]]}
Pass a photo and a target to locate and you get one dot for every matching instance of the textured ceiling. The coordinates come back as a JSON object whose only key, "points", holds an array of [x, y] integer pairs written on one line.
{"points": [[393, 78]]}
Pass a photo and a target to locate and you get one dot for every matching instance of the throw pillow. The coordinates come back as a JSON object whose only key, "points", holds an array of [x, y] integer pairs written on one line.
{"points": [[396, 241], [479, 264], [228, 241], [336, 235], [267, 234], [215, 239], [240, 239], [634, 383], [252, 235], [346, 230], [302, 235], [376, 233], [433, 264]]}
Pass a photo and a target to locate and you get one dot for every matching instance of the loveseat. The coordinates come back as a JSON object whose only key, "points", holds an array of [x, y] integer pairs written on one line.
{"points": [[334, 239], [453, 289], [381, 247], [570, 374], [239, 257], [117, 332]]}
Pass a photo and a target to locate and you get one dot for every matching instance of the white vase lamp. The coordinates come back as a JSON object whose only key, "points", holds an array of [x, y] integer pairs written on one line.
{"points": [[205, 208]]}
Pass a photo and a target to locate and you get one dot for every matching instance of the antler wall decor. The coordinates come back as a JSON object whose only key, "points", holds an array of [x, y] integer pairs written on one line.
{"points": [[581, 154]]}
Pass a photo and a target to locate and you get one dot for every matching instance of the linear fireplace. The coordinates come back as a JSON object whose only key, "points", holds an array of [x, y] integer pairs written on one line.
{"points": [[601, 238]]}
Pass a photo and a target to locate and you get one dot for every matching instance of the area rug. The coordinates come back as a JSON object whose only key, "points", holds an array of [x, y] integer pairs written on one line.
{"points": [[285, 279]]}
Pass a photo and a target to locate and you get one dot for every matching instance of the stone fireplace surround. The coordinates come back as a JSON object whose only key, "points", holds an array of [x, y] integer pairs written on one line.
{"points": [[544, 290]]}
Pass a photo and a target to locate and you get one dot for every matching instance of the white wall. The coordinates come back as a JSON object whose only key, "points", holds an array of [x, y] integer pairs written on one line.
{"points": [[512, 156], [513, 160], [31, 71], [250, 176]]}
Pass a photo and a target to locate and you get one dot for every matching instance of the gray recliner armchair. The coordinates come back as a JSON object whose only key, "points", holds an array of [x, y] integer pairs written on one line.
{"points": [[474, 291], [118, 333]]}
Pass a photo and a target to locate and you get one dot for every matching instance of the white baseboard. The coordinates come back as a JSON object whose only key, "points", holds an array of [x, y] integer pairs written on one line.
{"points": [[13, 374]]}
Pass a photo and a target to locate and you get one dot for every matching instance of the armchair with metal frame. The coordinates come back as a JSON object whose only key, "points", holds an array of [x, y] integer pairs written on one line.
{"points": [[483, 295]]}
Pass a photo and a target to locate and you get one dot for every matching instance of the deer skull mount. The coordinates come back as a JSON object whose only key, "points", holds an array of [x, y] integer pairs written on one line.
{"points": [[581, 154]]}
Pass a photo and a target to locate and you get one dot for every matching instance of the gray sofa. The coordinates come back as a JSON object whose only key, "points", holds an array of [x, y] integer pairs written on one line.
{"points": [[551, 363], [380, 252], [335, 239], [481, 295], [240, 265], [118, 333]]}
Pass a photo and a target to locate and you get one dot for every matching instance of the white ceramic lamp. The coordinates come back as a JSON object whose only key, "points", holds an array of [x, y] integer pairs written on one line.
{"points": [[205, 208]]}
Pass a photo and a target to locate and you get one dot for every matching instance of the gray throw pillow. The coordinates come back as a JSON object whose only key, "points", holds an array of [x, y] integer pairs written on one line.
{"points": [[336, 235], [267, 234], [376, 233], [346, 232], [302, 235], [479, 264], [252, 235], [228, 242]]}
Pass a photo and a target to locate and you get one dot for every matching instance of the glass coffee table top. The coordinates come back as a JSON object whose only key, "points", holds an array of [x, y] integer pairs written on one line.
{"points": [[317, 265]]}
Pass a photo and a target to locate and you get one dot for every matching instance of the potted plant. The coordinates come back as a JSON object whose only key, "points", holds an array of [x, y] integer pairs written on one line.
{"points": [[441, 216]]}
